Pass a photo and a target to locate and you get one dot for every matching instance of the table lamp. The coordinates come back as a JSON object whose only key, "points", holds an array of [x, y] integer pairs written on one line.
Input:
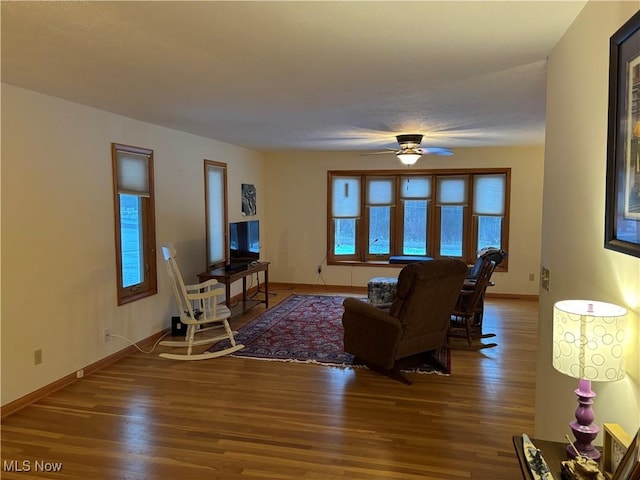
{"points": [[588, 344]]}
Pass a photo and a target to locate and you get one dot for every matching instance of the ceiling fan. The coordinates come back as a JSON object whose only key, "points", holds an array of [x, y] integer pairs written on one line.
{"points": [[410, 150]]}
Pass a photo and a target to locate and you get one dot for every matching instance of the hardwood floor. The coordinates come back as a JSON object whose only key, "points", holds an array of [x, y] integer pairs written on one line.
{"points": [[144, 417]]}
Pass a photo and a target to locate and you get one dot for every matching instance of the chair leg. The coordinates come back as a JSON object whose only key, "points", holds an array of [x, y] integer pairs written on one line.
{"points": [[191, 332], [393, 373], [396, 374], [230, 332], [473, 348], [468, 328], [472, 341]]}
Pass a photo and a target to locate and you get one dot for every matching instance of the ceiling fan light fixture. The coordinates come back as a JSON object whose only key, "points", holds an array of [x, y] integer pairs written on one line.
{"points": [[408, 158], [409, 140]]}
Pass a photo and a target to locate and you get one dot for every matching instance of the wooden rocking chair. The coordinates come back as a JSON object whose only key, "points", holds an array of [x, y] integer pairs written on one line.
{"points": [[466, 319], [208, 314]]}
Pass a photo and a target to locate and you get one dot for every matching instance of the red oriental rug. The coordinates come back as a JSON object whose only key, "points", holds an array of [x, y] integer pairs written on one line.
{"points": [[308, 328]]}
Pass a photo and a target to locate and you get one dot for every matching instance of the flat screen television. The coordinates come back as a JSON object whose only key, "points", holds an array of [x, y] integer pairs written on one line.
{"points": [[244, 241]]}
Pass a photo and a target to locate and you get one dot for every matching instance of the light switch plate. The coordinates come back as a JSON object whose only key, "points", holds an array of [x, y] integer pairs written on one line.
{"points": [[544, 278]]}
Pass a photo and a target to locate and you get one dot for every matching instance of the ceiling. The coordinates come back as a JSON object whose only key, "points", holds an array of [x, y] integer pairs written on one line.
{"points": [[301, 75]]}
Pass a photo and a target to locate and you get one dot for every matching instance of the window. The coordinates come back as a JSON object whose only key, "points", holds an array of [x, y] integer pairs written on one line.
{"points": [[345, 207], [489, 209], [215, 195], [452, 201], [134, 222], [380, 203], [375, 215], [415, 195]]}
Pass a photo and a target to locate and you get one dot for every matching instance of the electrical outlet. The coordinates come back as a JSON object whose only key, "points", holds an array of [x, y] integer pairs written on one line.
{"points": [[532, 277], [107, 334], [37, 357]]}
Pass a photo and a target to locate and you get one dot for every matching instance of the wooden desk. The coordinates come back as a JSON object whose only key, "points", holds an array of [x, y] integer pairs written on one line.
{"points": [[221, 275], [554, 453]]}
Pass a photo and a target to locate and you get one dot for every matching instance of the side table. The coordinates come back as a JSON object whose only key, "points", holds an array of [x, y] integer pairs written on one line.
{"points": [[223, 276], [554, 454]]}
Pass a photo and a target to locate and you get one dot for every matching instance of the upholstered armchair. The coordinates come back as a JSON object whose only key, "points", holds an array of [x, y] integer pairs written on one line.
{"points": [[416, 322]]}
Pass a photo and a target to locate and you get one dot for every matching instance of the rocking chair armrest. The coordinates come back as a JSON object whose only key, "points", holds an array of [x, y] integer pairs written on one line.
{"points": [[204, 290], [465, 304], [202, 285], [218, 292]]}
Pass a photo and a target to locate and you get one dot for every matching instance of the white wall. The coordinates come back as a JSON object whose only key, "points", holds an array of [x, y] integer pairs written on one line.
{"points": [[58, 265], [573, 218], [58, 249], [297, 201]]}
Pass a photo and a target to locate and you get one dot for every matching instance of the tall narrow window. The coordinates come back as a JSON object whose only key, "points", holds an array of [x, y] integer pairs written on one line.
{"points": [[215, 193], [452, 199], [415, 193], [345, 212], [380, 201], [489, 208], [135, 222]]}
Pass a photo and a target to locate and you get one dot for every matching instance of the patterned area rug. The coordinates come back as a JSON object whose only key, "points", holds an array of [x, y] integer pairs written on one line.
{"points": [[308, 328]]}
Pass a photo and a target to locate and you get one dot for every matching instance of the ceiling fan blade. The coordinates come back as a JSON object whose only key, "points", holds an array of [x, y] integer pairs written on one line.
{"points": [[379, 153], [436, 151], [386, 150]]}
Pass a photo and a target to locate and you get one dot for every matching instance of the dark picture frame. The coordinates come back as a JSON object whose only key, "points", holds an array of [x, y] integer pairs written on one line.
{"points": [[622, 207], [248, 199]]}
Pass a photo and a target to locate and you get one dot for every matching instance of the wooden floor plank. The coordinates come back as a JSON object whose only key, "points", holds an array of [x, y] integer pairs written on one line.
{"points": [[144, 417]]}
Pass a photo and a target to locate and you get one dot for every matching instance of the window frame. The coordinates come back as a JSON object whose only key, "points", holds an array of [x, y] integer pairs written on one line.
{"points": [[225, 214], [365, 210], [467, 220], [331, 230], [401, 202], [470, 221], [149, 286]]}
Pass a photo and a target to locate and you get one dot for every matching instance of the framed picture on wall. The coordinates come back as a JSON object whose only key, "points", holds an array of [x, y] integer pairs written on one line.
{"points": [[248, 199], [622, 208]]}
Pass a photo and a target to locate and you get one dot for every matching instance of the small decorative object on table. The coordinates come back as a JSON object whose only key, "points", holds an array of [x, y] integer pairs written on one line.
{"points": [[581, 468], [537, 465]]}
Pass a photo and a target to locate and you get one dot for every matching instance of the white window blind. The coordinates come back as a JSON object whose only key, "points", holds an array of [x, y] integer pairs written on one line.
{"points": [[415, 187], [345, 201], [133, 174], [380, 192], [452, 191], [489, 194], [215, 212]]}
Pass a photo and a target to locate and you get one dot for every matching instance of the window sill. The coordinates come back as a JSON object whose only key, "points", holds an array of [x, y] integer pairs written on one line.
{"points": [[386, 264], [372, 263]]}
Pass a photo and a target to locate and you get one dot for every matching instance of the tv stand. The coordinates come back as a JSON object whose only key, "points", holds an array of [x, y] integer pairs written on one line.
{"points": [[235, 267], [228, 277]]}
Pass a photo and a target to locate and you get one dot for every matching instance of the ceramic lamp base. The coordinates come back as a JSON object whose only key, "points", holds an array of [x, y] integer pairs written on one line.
{"points": [[583, 428]]}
